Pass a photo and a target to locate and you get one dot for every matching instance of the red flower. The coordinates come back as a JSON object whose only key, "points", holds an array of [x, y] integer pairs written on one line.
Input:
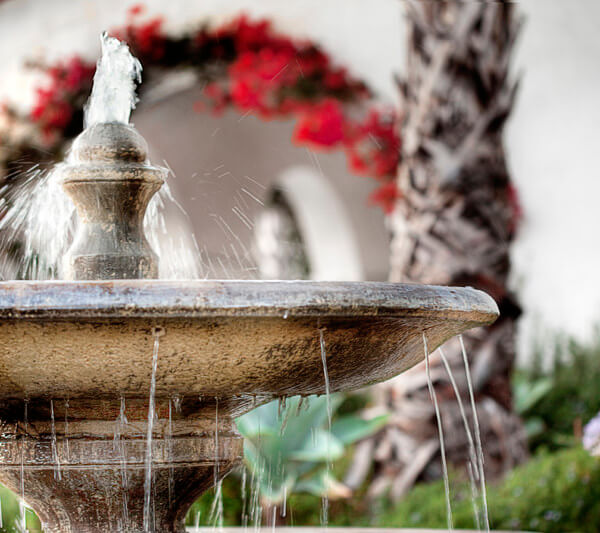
{"points": [[386, 196], [322, 126], [246, 96], [147, 39], [78, 74], [54, 107], [335, 80], [374, 146], [135, 10], [217, 96], [312, 61], [251, 36], [257, 80]]}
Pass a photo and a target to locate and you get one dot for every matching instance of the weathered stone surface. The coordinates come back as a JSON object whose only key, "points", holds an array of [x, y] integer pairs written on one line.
{"points": [[224, 348], [111, 182], [221, 339]]}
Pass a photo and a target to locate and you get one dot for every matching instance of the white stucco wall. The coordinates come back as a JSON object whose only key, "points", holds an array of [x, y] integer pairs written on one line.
{"points": [[365, 35], [553, 145], [551, 138]]}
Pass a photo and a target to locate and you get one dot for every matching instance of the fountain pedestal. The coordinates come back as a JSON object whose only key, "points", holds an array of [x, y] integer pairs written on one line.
{"points": [[88, 474], [109, 178]]}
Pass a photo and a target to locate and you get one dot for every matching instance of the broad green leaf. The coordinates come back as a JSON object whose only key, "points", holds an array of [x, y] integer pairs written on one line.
{"points": [[526, 394], [316, 484], [322, 447], [351, 428], [323, 483], [311, 415], [275, 490], [263, 419]]}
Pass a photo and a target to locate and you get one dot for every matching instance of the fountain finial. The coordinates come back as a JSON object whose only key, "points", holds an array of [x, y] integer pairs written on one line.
{"points": [[110, 179]]}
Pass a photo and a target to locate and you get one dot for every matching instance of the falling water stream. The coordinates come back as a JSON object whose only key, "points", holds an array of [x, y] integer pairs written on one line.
{"points": [[120, 425], [475, 465], [477, 432], [22, 524], [216, 510], [325, 499], [441, 434], [169, 442], [473, 468], [54, 444], [158, 333]]}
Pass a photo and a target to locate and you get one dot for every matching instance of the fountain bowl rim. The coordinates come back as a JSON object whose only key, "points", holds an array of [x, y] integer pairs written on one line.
{"points": [[120, 299]]}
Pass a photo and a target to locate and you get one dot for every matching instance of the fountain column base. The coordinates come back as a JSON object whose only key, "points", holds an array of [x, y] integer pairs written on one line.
{"points": [[82, 483]]}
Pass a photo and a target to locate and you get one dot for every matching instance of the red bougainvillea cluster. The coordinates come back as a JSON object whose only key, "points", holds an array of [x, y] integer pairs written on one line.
{"points": [[252, 68], [247, 66], [62, 97]]}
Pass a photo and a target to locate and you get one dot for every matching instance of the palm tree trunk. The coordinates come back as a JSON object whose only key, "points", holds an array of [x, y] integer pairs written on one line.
{"points": [[454, 224]]}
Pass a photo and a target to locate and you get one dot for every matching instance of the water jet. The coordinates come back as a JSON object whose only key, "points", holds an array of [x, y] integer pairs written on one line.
{"points": [[80, 356]]}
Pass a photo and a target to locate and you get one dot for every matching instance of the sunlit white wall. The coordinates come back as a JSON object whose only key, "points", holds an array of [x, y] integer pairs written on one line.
{"points": [[552, 138], [364, 35], [553, 143]]}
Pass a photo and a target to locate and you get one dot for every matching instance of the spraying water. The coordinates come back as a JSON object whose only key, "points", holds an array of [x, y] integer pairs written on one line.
{"points": [[41, 217], [38, 215], [117, 75], [67, 450]]}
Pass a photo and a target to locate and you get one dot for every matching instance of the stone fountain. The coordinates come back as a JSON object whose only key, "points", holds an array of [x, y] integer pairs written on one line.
{"points": [[77, 358]]}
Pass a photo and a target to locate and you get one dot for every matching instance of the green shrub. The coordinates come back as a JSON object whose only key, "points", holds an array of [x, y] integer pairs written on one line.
{"points": [[556, 492], [573, 396]]}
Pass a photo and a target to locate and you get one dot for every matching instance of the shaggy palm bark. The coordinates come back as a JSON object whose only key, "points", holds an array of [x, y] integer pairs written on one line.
{"points": [[453, 226]]}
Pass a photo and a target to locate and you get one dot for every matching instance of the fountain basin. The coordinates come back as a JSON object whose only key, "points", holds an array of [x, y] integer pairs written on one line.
{"points": [[221, 339], [76, 368]]}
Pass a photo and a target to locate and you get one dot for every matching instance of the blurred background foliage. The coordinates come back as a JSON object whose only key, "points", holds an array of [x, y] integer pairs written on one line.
{"points": [[558, 489]]}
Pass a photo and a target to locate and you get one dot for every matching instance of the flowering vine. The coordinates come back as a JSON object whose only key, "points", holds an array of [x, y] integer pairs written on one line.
{"points": [[247, 66]]}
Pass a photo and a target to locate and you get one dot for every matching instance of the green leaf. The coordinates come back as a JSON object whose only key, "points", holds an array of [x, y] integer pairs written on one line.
{"points": [[534, 427], [527, 393], [322, 447], [262, 420], [351, 428], [316, 484], [302, 421]]}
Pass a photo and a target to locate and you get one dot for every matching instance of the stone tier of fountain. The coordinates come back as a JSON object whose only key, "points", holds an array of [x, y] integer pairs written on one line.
{"points": [[77, 355]]}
